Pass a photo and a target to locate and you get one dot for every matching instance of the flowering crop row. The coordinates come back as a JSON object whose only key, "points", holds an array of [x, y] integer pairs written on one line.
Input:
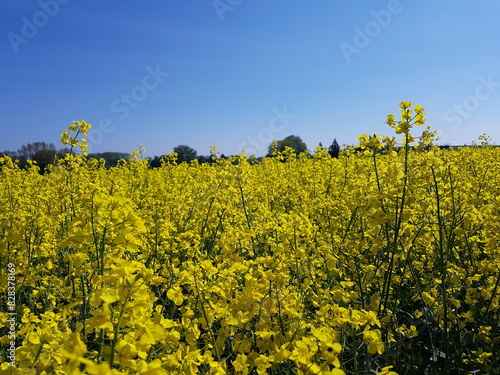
{"points": [[384, 260]]}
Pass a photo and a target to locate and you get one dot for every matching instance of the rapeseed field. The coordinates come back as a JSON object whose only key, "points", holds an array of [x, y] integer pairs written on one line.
{"points": [[384, 260]]}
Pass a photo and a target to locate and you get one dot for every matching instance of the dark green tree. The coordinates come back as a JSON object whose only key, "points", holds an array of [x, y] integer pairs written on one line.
{"points": [[155, 162], [11, 154], [44, 157], [202, 159], [292, 141], [111, 158], [40, 152], [334, 149], [62, 152], [185, 153]]}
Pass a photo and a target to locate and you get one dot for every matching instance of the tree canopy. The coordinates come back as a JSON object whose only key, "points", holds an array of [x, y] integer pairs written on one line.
{"points": [[292, 141], [334, 149], [185, 153]]}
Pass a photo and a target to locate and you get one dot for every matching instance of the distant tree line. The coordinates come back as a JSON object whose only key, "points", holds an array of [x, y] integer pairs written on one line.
{"points": [[111, 158], [45, 153], [185, 154], [41, 152], [297, 144]]}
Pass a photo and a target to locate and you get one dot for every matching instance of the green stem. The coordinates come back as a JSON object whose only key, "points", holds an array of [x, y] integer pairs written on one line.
{"points": [[83, 311], [399, 220], [442, 267], [117, 328], [101, 345], [101, 252], [493, 294], [243, 201], [212, 336], [39, 351]]}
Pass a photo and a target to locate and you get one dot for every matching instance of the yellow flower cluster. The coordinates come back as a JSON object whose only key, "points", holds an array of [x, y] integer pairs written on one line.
{"points": [[385, 260], [78, 127]]}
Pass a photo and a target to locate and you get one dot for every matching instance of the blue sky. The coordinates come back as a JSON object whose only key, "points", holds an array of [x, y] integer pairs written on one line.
{"points": [[239, 73]]}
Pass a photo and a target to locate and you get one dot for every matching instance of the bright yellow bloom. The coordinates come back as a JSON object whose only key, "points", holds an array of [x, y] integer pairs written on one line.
{"points": [[175, 294], [405, 105], [387, 371]]}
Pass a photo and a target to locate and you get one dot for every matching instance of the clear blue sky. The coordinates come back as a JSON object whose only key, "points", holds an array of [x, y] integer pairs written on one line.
{"points": [[239, 73]]}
